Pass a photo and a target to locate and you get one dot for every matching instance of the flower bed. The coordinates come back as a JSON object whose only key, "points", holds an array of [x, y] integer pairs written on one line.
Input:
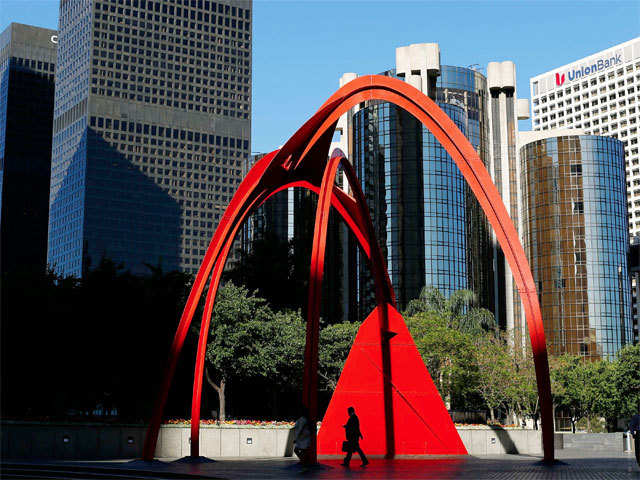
{"points": [[289, 424], [233, 423]]}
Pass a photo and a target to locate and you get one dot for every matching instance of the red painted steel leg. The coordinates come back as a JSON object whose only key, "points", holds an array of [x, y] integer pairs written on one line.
{"points": [[151, 437], [198, 374], [246, 187], [310, 387], [355, 225], [383, 298], [202, 350]]}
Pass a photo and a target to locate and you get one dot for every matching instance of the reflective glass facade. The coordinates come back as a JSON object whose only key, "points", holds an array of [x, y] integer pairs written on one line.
{"points": [[271, 220], [151, 127], [467, 88], [429, 226], [575, 236], [27, 65]]}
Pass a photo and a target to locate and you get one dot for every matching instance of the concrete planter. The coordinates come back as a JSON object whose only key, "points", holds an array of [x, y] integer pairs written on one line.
{"points": [[482, 440]]}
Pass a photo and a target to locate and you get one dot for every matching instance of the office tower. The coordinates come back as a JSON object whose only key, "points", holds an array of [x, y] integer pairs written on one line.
{"points": [[600, 95], [27, 65], [151, 126], [273, 220], [634, 273], [429, 225], [575, 236]]}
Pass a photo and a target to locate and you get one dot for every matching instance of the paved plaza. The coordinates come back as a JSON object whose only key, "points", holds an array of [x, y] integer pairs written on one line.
{"points": [[577, 464]]}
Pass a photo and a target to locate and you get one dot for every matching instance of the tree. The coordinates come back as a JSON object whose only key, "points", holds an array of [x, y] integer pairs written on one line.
{"points": [[601, 395], [584, 388], [494, 377], [566, 384], [248, 340], [459, 309], [522, 394], [626, 378], [233, 337], [447, 352], [334, 346]]}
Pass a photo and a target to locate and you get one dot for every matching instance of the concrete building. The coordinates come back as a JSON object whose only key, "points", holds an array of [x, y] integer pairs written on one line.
{"points": [[27, 66], [151, 127], [600, 95], [574, 232], [505, 111]]}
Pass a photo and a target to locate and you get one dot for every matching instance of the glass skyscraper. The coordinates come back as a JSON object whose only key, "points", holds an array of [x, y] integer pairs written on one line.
{"points": [[27, 66], [429, 225], [575, 234], [151, 127]]}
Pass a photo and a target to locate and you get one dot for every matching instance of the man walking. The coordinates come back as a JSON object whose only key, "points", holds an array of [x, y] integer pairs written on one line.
{"points": [[353, 434]]}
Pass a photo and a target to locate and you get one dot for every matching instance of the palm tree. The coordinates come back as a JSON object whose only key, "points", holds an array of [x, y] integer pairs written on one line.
{"points": [[459, 309]]}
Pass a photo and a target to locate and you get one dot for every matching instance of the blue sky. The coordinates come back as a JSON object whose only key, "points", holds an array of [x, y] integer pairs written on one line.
{"points": [[301, 48]]}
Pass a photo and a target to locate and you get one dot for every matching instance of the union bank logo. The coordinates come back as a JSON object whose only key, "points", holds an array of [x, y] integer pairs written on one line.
{"points": [[559, 79]]}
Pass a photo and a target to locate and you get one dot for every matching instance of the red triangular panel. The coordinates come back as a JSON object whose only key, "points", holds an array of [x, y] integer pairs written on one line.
{"points": [[419, 421]]}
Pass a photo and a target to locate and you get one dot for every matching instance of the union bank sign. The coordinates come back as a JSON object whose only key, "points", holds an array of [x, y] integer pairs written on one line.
{"points": [[587, 68]]}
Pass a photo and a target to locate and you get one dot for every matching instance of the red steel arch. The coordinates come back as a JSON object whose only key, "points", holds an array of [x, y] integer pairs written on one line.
{"points": [[302, 162]]}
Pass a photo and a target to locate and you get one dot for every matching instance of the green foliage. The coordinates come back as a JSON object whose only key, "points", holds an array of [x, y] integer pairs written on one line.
{"points": [[522, 393], [464, 354], [458, 311], [593, 389], [447, 352], [102, 339], [247, 339], [494, 364], [335, 344], [627, 379]]}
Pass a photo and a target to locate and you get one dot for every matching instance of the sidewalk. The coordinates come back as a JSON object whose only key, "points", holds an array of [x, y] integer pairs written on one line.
{"points": [[579, 465]]}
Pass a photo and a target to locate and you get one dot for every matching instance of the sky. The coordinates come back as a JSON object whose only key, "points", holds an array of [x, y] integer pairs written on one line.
{"points": [[301, 48]]}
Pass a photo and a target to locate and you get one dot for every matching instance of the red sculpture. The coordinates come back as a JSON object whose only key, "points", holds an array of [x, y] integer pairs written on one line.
{"points": [[395, 386], [399, 407]]}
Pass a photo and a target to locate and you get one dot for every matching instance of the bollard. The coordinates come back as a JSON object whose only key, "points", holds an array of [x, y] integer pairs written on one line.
{"points": [[627, 442]]}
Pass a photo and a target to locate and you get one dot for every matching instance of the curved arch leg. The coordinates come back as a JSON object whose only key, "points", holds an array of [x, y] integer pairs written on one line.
{"points": [[310, 383], [196, 398], [344, 204], [383, 298], [239, 200]]}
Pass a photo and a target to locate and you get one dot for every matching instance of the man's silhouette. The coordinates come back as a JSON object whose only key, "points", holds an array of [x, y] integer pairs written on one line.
{"points": [[353, 434]]}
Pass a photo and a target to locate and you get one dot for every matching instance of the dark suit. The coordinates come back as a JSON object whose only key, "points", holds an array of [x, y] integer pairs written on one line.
{"points": [[353, 434]]}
